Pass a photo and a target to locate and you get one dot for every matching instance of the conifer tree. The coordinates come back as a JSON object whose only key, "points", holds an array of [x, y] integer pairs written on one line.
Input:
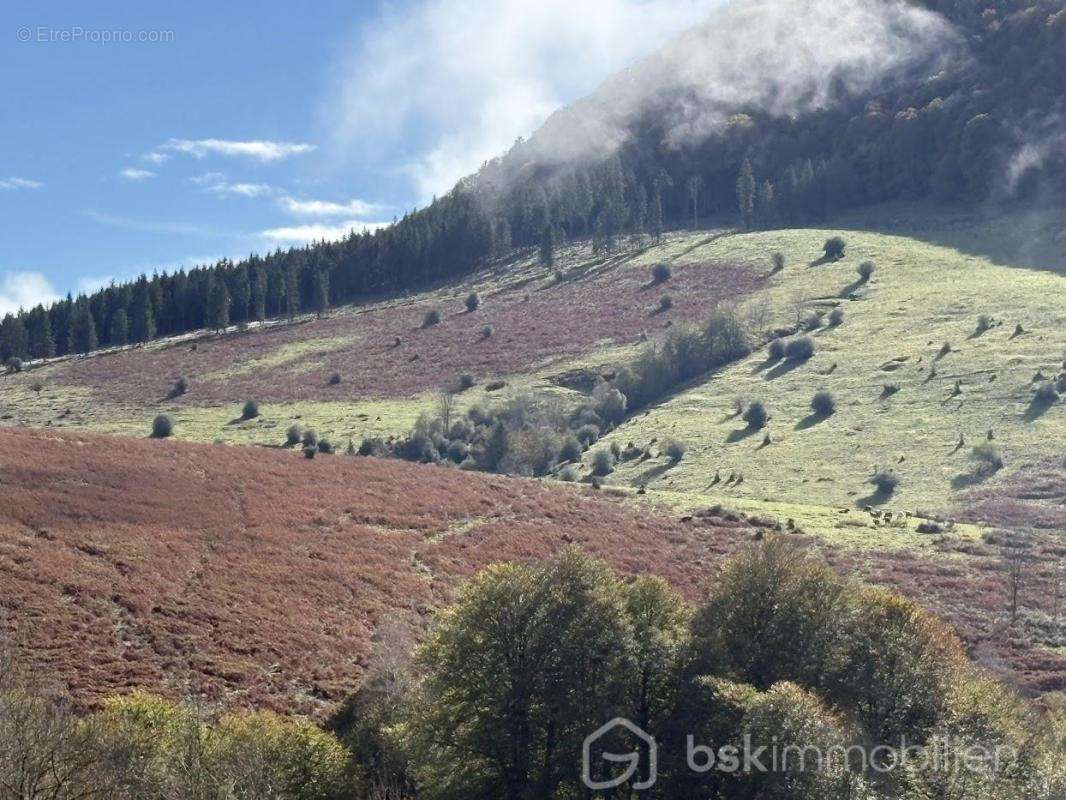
{"points": [[142, 321], [320, 291], [746, 194], [120, 329], [547, 246], [82, 335], [218, 305], [39, 341]]}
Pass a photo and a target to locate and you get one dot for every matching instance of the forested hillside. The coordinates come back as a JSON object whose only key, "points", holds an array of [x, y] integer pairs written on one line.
{"points": [[973, 116]]}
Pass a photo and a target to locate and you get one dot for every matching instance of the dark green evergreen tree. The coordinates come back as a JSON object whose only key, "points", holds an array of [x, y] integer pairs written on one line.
{"points": [[746, 194], [547, 246], [142, 320], [119, 333], [218, 306], [82, 327]]}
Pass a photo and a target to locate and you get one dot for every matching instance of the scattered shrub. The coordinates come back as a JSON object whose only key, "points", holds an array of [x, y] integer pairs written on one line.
{"points": [[458, 450], [834, 248], [293, 435], [335, 379], [778, 260], [568, 474], [988, 458], [162, 426], [823, 404], [473, 301], [609, 403], [571, 449], [250, 410], [371, 447], [466, 381], [674, 450], [776, 350], [181, 386], [431, 318], [800, 349], [889, 389], [486, 331], [984, 322], [812, 321], [661, 273], [14, 364], [756, 416], [602, 462], [1045, 393], [836, 316], [944, 350], [930, 527], [866, 270], [495, 386], [588, 435], [325, 446], [310, 438], [666, 302], [309, 451], [885, 480]]}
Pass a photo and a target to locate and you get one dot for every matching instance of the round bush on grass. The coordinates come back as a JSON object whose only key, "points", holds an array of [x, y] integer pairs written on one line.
{"points": [[756, 416], [602, 462], [885, 480], [661, 273], [473, 301], [800, 349], [250, 410], [162, 427], [431, 318], [823, 404], [674, 450], [776, 350], [866, 270], [293, 435]]}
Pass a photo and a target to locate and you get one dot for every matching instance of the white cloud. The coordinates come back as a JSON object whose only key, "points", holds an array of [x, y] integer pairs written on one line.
{"points": [[264, 151], [325, 208], [19, 183], [467, 77], [24, 290], [303, 234], [134, 174], [242, 189], [150, 226], [156, 158]]}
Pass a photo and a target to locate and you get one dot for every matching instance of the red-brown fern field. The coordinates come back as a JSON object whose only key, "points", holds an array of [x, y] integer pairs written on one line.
{"points": [[533, 320], [256, 577]]}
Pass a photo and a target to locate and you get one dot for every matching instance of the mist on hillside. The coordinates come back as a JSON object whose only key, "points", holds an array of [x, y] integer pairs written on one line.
{"points": [[778, 57]]}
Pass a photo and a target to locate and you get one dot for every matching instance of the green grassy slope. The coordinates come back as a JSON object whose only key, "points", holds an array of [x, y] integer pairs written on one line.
{"points": [[921, 296]]}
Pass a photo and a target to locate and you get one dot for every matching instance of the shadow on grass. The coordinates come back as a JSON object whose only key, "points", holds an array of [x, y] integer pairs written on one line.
{"points": [[649, 475], [741, 434], [783, 368], [765, 365], [964, 480], [854, 286], [811, 420], [878, 498], [1037, 408]]}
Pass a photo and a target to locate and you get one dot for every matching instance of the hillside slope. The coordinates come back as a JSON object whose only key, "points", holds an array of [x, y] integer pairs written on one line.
{"points": [[255, 577], [258, 578]]}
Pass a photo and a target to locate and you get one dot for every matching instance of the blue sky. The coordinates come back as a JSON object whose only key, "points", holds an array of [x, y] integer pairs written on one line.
{"points": [[241, 127]]}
